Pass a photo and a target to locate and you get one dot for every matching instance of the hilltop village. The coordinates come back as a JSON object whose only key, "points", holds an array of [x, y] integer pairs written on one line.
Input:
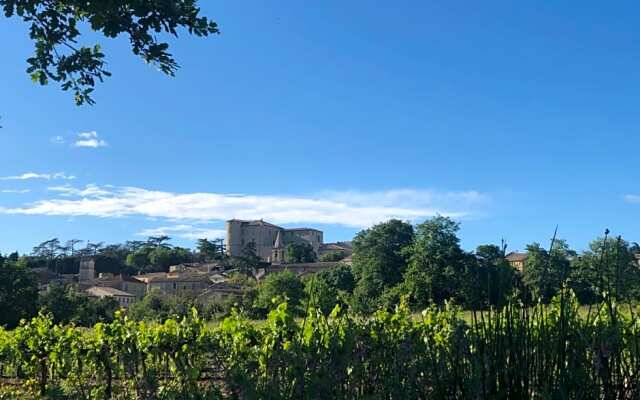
{"points": [[266, 244], [259, 261]]}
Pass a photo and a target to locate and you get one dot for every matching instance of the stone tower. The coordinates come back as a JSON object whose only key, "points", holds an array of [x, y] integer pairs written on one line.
{"points": [[277, 254], [87, 270]]}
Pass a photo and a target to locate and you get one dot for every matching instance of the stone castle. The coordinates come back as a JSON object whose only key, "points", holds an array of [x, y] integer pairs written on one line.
{"points": [[269, 240]]}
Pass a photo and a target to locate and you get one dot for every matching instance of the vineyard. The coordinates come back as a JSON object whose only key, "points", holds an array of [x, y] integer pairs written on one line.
{"points": [[537, 352]]}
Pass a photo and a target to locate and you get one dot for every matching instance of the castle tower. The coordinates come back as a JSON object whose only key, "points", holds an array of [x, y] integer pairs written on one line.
{"points": [[87, 270], [277, 253], [234, 237]]}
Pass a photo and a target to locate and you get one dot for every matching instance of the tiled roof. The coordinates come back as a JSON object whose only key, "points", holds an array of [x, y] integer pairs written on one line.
{"points": [[514, 256], [107, 291], [179, 277], [257, 222]]}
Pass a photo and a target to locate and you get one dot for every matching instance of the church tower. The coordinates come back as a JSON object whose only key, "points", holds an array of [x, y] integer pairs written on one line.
{"points": [[277, 253]]}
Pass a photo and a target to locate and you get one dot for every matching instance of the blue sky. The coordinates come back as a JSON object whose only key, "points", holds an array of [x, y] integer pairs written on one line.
{"points": [[513, 117]]}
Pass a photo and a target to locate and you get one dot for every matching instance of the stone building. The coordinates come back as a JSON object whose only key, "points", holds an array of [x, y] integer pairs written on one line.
{"points": [[176, 282], [517, 260], [124, 299], [124, 283], [87, 270], [263, 235]]}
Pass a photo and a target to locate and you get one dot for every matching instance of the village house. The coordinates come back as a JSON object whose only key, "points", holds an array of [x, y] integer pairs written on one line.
{"points": [[124, 299], [121, 282], [517, 260], [175, 282]]}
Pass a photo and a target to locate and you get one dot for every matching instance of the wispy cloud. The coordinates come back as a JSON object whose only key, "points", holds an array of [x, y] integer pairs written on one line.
{"points": [[34, 175], [632, 198], [89, 139], [90, 190], [184, 231], [353, 209], [20, 191], [57, 140]]}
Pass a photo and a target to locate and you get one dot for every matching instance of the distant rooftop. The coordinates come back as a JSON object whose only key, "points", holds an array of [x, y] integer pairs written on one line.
{"points": [[515, 256], [107, 291], [257, 222]]}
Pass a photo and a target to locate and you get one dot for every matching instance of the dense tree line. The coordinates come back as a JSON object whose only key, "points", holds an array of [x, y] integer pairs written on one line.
{"points": [[155, 254], [19, 297], [422, 264], [425, 265]]}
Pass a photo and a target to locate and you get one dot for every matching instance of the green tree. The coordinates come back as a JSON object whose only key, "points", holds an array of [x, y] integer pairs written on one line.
{"points": [[55, 26], [330, 287], [545, 271], [209, 250], [333, 256], [71, 245], [161, 258], [18, 292], [279, 286], [438, 266], [299, 253], [159, 242], [608, 267], [248, 260], [139, 259], [492, 280], [379, 261], [47, 250], [67, 305], [341, 277]]}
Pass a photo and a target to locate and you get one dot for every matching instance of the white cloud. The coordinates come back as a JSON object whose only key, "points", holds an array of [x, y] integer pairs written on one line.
{"points": [[632, 198], [88, 191], [34, 175], [184, 231], [353, 209], [89, 139], [15, 190], [57, 140]]}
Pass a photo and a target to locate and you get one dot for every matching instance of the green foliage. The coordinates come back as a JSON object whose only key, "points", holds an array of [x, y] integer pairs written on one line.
{"points": [[217, 306], [545, 351], [495, 280], [67, 305], [161, 258], [55, 26], [379, 261], [545, 271], [158, 306], [18, 291], [157, 256], [332, 256], [278, 287], [210, 250], [248, 261], [330, 287], [340, 277], [609, 266], [139, 260], [438, 265], [299, 253]]}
